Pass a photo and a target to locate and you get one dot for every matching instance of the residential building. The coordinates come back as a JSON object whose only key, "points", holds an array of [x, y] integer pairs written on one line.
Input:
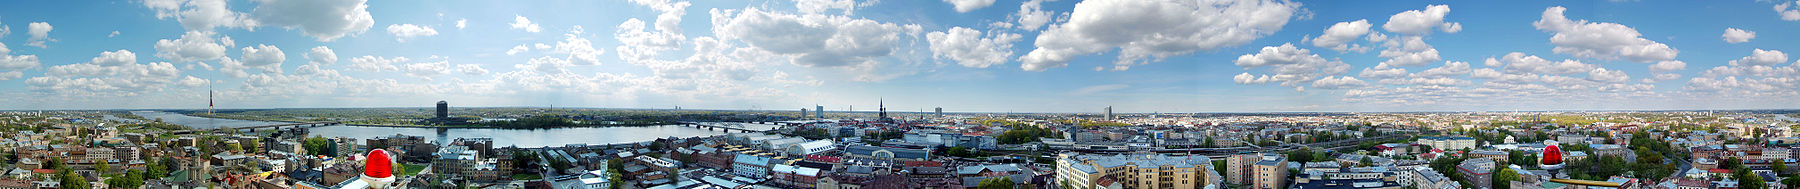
{"points": [[1087, 171], [1271, 172]]}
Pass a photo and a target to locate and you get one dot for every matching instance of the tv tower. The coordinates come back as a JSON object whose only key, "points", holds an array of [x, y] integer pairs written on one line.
{"points": [[209, 101]]}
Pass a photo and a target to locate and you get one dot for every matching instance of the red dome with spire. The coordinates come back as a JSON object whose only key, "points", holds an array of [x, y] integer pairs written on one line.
{"points": [[1552, 155], [378, 165]]}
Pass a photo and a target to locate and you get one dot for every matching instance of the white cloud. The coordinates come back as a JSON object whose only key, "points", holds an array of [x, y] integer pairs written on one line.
{"points": [[1518, 62], [92, 79], [1382, 71], [403, 31], [16, 62], [115, 58], [376, 64], [517, 50], [191, 81], [324, 20], [1291, 66], [263, 55], [115, 33], [1760, 57], [1788, 11], [428, 70], [1416, 22], [1157, 29], [820, 6], [969, 48], [1450, 69], [812, 40], [1409, 51], [637, 44], [321, 55], [462, 23], [201, 15], [193, 46], [520, 22], [1600, 40], [1340, 36], [969, 5], [1667, 66], [1608, 76], [471, 69], [1734, 35], [580, 51], [1032, 15], [40, 33], [1345, 82]]}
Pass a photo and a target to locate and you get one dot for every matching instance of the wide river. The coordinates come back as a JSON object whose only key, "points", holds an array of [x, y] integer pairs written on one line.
{"points": [[502, 137]]}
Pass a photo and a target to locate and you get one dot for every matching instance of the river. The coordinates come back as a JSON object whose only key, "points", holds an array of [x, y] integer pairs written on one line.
{"points": [[502, 137]]}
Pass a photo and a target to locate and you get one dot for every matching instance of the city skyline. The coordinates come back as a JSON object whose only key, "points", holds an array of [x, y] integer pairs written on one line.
{"points": [[962, 56]]}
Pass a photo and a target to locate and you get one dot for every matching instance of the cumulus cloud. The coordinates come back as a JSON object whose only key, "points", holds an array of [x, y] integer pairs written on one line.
{"points": [[471, 69], [1450, 69], [376, 64], [462, 23], [263, 55], [520, 22], [813, 40], [1345, 82], [201, 15], [1143, 29], [820, 6], [1290, 66], [1600, 40], [40, 33], [324, 20], [193, 46], [1788, 11], [404, 31], [115, 58], [322, 55], [428, 70], [1609, 76], [638, 43], [1032, 15], [1382, 71], [517, 50], [118, 78], [1340, 36], [1421, 22], [1408, 51], [1735, 36], [1518, 62], [1760, 57], [969, 48], [969, 5]]}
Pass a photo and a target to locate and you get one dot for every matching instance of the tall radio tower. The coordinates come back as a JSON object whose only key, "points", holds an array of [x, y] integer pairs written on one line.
{"points": [[209, 101]]}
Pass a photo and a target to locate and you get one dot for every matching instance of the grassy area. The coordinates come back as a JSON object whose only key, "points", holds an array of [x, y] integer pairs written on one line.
{"points": [[527, 177], [413, 169]]}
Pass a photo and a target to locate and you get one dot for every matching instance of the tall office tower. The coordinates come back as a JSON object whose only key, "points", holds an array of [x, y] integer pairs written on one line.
{"points": [[803, 113], [940, 111], [1109, 115], [443, 109], [820, 110]]}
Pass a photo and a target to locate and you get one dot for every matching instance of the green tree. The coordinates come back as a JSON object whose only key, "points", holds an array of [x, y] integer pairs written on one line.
{"points": [[1752, 181], [102, 167], [1504, 177], [996, 183], [1791, 182], [70, 180], [1365, 162], [1781, 168]]}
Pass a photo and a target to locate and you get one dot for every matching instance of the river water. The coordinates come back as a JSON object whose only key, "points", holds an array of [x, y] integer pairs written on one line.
{"points": [[502, 137]]}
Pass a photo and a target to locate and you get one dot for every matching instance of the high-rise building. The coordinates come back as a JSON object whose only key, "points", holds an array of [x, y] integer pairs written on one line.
{"points": [[820, 110], [443, 109], [940, 111], [803, 113]]}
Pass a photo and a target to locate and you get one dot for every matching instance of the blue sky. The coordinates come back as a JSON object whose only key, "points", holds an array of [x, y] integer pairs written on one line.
{"points": [[964, 56]]}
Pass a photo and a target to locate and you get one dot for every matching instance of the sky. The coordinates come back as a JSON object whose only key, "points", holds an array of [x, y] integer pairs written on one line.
{"points": [[1137, 56]]}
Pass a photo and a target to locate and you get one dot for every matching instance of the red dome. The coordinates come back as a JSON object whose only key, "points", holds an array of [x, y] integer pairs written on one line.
{"points": [[379, 165], [1552, 155]]}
